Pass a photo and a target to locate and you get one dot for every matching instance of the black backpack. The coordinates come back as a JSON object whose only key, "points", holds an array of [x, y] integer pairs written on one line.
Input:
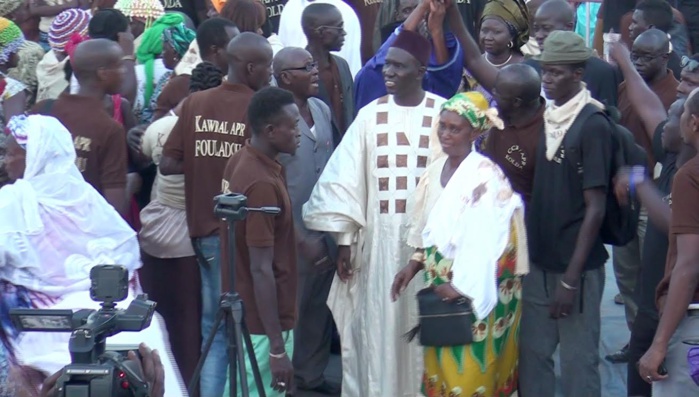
{"points": [[620, 221]]}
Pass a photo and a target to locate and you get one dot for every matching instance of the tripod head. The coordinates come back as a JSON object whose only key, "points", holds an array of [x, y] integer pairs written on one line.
{"points": [[233, 207]]}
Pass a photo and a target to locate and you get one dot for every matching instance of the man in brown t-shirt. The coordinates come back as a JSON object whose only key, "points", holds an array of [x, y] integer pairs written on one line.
{"points": [[265, 261], [213, 126], [517, 91], [99, 140], [678, 292]]}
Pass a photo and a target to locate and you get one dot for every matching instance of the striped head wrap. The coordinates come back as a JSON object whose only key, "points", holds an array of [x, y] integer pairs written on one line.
{"points": [[473, 106], [65, 25], [17, 127], [147, 10], [179, 37], [152, 46], [8, 6], [11, 38], [514, 14]]}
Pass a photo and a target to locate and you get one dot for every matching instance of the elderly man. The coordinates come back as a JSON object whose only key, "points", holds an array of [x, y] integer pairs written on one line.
{"points": [[361, 197], [295, 70]]}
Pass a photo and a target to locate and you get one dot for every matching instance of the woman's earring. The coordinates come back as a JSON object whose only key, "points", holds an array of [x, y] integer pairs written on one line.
{"points": [[510, 44]]}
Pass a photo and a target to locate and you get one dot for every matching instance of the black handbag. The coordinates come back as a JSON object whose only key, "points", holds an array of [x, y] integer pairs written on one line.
{"points": [[443, 323]]}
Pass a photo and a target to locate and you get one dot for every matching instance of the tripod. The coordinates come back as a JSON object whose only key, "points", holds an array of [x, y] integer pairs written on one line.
{"points": [[232, 207]]}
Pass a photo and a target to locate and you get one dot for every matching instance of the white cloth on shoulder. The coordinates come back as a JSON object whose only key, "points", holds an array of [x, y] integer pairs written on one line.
{"points": [[55, 228], [470, 224]]}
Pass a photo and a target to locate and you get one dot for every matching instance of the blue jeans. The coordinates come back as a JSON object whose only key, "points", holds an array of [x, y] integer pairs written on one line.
{"points": [[214, 372]]}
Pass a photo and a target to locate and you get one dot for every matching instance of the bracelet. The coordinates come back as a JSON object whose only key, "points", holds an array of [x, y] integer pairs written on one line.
{"points": [[128, 58], [418, 257], [568, 287], [637, 176], [280, 355]]}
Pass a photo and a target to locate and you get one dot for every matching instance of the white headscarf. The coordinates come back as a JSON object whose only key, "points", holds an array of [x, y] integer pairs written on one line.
{"points": [[55, 227]]}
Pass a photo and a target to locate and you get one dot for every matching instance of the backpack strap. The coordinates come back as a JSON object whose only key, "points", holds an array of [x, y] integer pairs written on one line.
{"points": [[571, 142]]}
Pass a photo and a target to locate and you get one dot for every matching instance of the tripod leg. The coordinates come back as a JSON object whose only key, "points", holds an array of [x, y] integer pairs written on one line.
{"points": [[205, 352], [253, 360], [236, 337]]}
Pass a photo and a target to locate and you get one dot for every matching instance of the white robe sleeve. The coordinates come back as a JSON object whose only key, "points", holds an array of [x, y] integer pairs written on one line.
{"points": [[338, 202]]}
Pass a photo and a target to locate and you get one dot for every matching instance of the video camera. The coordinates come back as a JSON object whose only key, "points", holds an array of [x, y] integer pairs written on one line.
{"points": [[95, 372]]}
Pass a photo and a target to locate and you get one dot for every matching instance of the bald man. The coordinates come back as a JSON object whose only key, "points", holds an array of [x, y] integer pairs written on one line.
{"points": [[649, 54], [295, 70], [601, 78], [100, 141], [517, 92], [323, 26], [212, 126]]}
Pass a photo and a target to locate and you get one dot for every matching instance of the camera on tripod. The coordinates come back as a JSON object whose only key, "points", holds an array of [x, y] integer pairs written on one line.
{"points": [[95, 372]]}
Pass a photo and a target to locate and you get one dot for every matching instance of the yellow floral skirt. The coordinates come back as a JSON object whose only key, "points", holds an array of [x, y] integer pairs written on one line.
{"points": [[488, 366]]}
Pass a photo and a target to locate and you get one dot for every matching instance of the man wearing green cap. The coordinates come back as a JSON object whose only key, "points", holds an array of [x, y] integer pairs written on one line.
{"points": [[563, 291]]}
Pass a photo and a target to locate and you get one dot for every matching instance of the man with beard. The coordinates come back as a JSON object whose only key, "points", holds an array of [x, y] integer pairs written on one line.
{"points": [[361, 197]]}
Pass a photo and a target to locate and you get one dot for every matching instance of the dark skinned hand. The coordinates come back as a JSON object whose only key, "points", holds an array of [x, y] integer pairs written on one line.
{"points": [[447, 292], [152, 369], [48, 388], [282, 373], [403, 278], [344, 264], [650, 362], [125, 40], [435, 19], [621, 185], [562, 304]]}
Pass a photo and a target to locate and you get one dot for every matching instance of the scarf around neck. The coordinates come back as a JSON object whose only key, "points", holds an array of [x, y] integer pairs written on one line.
{"points": [[558, 119]]}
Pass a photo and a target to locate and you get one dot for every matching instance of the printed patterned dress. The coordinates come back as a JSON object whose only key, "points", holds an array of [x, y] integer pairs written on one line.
{"points": [[488, 366]]}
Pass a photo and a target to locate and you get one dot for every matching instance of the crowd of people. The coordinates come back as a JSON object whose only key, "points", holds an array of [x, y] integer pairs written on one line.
{"points": [[451, 177]]}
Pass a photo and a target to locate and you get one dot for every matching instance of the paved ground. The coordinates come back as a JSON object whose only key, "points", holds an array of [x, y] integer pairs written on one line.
{"points": [[614, 335]]}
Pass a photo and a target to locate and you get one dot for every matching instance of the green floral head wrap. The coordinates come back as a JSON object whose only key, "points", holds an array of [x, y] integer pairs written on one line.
{"points": [[179, 37], [152, 46], [473, 106]]}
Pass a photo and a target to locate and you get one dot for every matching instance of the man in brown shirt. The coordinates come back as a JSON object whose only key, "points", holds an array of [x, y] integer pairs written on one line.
{"points": [[213, 35], [265, 244], [213, 126], [517, 92], [678, 292], [100, 141], [650, 57]]}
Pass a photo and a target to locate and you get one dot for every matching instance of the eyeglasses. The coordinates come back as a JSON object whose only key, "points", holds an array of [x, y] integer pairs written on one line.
{"points": [[338, 28], [308, 68], [690, 64], [644, 58]]}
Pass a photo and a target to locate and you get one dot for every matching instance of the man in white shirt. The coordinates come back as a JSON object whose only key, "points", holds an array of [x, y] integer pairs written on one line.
{"points": [[291, 33]]}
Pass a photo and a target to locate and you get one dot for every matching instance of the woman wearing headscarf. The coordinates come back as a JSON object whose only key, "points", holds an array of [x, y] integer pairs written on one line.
{"points": [[173, 87], [467, 225], [504, 30], [141, 13], [30, 53], [51, 70], [151, 68], [13, 93], [55, 229]]}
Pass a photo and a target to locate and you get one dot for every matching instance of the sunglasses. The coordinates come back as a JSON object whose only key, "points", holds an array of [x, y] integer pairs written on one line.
{"points": [[690, 64], [307, 68]]}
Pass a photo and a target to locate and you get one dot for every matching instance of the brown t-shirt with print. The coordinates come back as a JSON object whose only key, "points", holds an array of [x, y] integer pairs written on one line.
{"points": [[173, 93], [212, 126], [666, 90], [99, 140], [262, 180], [367, 11], [514, 150], [685, 220]]}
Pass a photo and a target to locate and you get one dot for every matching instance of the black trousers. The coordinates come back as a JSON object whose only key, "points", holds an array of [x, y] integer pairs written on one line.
{"points": [[642, 335]]}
